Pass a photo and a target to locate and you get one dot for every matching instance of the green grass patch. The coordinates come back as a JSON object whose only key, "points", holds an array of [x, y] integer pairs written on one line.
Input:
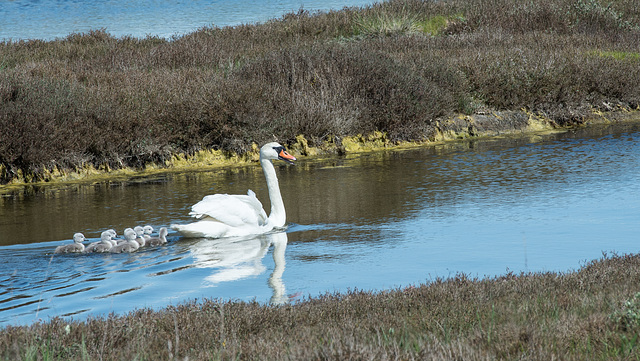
{"points": [[437, 24], [387, 24], [618, 55]]}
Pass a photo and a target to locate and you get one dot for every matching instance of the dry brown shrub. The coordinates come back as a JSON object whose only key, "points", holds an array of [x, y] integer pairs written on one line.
{"points": [[95, 99]]}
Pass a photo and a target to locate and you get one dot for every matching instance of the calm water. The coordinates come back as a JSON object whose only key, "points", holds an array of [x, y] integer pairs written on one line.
{"points": [[371, 221], [50, 19]]}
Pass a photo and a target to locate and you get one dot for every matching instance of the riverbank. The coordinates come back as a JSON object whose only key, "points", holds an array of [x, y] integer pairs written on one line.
{"points": [[460, 128], [411, 71], [591, 313]]}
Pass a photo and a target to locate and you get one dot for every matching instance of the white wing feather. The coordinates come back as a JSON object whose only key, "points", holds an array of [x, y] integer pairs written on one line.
{"points": [[233, 210]]}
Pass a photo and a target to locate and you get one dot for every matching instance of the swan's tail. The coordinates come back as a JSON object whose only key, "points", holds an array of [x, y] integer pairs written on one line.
{"points": [[182, 229], [201, 229]]}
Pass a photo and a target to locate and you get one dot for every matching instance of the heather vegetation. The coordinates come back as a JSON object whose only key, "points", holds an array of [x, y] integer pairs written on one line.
{"points": [[396, 67], [399, 67], [589, 314]]}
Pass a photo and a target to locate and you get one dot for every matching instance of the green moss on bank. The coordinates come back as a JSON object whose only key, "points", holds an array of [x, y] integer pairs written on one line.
{"points": [[460, 128]]}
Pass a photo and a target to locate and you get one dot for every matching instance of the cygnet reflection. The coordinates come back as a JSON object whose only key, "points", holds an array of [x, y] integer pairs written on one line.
{"points": [[241, 257]]}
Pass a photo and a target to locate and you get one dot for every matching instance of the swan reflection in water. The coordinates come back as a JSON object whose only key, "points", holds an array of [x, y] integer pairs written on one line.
{"points": [[241, 257]]}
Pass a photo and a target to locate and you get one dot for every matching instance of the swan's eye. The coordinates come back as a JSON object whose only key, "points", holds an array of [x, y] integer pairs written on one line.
{"points": [[283, 155]]}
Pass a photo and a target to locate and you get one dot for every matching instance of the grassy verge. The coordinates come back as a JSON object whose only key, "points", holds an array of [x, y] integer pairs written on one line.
{"points": [[401, 68], [589, 314]]}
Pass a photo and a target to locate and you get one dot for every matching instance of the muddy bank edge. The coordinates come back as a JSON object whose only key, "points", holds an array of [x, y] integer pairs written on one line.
{"points": [[461, 127]]}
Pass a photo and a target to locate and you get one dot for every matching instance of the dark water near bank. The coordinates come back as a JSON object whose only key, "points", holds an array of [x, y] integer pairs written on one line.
{"points": [[50, 19], [370, 221]]}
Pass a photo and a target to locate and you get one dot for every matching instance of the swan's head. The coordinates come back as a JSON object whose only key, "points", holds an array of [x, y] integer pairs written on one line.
{"points": [[139, 230], [130, 234], [275, 150], [148, 229], [78, 238], [106, 235]]}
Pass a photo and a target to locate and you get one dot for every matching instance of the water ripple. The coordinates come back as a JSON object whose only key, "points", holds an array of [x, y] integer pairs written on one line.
{"points": [[369, 222], [74, 292], [121, 292]]}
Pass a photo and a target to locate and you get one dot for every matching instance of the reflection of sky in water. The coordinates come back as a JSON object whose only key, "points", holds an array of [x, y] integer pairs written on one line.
{"points": [[370, 221], [535, 207], [34, 284], [49, 19]]}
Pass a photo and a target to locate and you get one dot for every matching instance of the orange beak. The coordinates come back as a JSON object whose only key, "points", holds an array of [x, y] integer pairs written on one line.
{"points": [[286, 156]]}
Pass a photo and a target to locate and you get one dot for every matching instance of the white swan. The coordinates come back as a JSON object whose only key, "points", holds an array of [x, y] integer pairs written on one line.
{"points": [[224, 215], [74, 247]]}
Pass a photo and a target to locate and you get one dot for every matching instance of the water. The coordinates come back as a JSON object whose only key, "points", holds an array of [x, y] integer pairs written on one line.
{"points": [[51, 19], [370, 221]]}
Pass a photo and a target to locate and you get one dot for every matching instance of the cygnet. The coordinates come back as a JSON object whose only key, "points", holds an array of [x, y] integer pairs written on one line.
{"points": [[139, 235], [129, 245], [160, 240], [147, 231], [74, 247], [104, 245]]}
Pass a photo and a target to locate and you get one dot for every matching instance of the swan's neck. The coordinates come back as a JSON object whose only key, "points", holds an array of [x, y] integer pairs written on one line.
{"points": [[277, 217], [275, 280]]}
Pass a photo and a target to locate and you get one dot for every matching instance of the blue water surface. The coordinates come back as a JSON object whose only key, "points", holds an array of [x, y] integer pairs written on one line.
{"points": [[51, 19], [370, 221]]}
